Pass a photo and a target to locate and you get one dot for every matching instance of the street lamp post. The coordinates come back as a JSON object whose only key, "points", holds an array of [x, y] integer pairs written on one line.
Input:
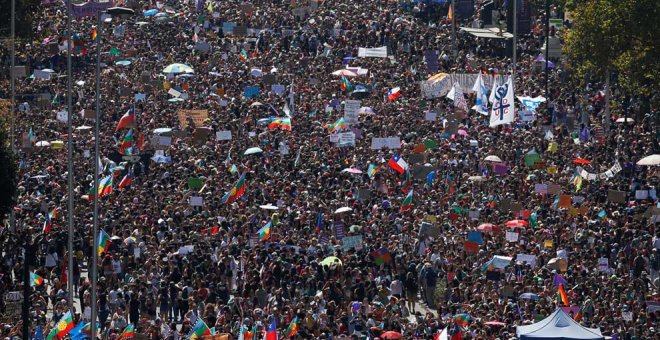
{"points": [[69, 124]]}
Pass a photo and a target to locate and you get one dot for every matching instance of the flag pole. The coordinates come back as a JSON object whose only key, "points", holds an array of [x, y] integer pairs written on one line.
{"points": [[95, 229], [453, 27], [69, 157], [515, 38]]}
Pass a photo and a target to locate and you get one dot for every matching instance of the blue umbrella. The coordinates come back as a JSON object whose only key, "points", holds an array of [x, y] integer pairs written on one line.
{"points": [[150, 12], [161, 159], [123, 62], [529, 296]]}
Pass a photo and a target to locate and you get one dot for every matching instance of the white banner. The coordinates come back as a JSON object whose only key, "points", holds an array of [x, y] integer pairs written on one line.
{"points": [[376, 52], [351, 108], [389, 142]]}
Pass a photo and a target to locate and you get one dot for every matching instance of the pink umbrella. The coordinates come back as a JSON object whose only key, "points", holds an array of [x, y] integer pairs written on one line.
{"points": [[495, 323], [517, 223], [488, 228], [462, 132], [352, 170], [345, 73]]}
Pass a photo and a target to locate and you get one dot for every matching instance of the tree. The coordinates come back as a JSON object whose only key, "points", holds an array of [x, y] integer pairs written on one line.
{"points": [[8, 171], [24, 12], [618, 37]]}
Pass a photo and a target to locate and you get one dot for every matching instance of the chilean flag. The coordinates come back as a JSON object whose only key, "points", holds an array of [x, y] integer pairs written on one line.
{"points": [[271, 331], [127, 120], [393, 94], [398, 164]]}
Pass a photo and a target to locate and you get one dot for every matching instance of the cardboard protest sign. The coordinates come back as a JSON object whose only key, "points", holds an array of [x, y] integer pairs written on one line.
{"points": [[198, 117]]}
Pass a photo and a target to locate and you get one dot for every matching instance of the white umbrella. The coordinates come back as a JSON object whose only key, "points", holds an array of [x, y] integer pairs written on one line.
{"points": [[83, 127], [476, 178], [343, 210], [352, 170], [256, 104], [625, 120], [178, 68], [252, 151], [345, 73], [160, 131], [493, 158], [42, 143], [366, 110], [649, 160], [268, 207]]}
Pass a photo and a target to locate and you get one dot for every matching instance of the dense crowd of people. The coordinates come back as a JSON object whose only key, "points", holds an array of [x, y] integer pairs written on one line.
{"points": [[307, 231]]}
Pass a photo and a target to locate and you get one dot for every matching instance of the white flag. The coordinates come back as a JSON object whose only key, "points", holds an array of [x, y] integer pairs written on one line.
{"points": [[491, 98], [481, 104], [503, 105], [459, 98]]}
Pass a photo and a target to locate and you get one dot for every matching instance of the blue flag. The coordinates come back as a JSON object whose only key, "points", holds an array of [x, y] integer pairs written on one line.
{"points": [[76, 333], [430, 177]]}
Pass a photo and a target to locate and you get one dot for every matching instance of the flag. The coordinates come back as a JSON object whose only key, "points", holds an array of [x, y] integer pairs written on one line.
{"points": [[76, 332], [195, 38], [441, 335], [87, 330], [126, 181], [449, 186], [319, 221], [39, 334], [292, 329], [381, 256], [271, 331], [459, 98], [245, 334], [236, 191], [503, 105], [128, 333], [243, 55], [340, 124], [282, 123], [407, 202], [127, 120], [562, 295], [233, 169], [213, 230], [372, 170], [579, 315], [56, 100], [36, 280], [199, 330], [104, 242], [210, 7], [450, 13], [62, 327], [393, 94], [264, 232], [430, 177], [94, 34], [398, 164], [558, 280], [481, 103], [345, 84], [104, 186], [455, 333], [128, 139], [462, 319], [31, 136], [48, 223]]}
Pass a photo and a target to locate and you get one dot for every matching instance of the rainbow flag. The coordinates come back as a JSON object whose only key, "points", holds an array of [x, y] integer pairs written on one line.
{"points": [[340, 124], [345, 84], [381, 256], [236, 191], [282, 123], [62, 327], [36, 280], [372, 170], [407, 202], [562, 295], [264, 232], [199, 330], [292, 329], [243, 55], [104, 242], [105, 186], [462, 319], [128, 333]]}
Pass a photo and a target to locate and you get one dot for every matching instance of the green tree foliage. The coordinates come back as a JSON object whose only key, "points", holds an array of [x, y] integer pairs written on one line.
{"points": [[24, 13], [617, 36]]}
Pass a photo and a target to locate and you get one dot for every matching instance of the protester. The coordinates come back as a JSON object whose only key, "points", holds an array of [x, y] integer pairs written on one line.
{"points": [[183, 246]]}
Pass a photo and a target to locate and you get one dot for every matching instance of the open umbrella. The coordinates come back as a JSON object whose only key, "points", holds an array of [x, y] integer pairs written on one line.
{"points": [[517, 223], [366, 110], [343, 210], [345, 73], [252, 151], [151, 12], [495, 323], [83, 127], [331, 261], [178, 68], [256, 104], [352, 170], [493, 158], [489, 228], [476, 178], [581, 161], [625, 120], [529, 296], [649, 160], [42, 143], [161, 131], [268, 207], [391, 335], [123, 62]]}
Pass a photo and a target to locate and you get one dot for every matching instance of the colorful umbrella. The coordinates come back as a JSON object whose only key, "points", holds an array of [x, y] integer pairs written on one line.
{"points": [[489, 228], [582, 161], [517, 223]]}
